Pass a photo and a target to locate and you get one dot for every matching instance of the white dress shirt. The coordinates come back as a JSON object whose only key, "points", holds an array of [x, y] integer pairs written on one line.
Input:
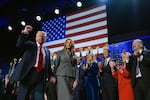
{"points": [[37, 58]]}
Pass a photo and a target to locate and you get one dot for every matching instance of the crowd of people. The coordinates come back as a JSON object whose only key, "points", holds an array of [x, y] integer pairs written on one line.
{"points": [[35, 77]]}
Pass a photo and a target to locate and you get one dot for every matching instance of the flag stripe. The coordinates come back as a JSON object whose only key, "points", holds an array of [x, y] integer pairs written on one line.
{"points": [[87, 23], [86, 16], [97, 31], [85, 20], [83, 12], [81, 40], [84, 44], [86, 31], [89, 28], [91, 38]]}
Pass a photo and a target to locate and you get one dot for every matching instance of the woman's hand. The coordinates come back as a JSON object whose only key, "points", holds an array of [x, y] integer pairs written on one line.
{"points": [[53, 79], [75, 84], [112, 65]]}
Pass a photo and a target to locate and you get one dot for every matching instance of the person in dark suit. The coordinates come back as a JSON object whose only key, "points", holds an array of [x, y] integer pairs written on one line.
{"points": [[34, 68], [66, 71], [109, 84], [79, 92], [51, 88], [138, 65]]}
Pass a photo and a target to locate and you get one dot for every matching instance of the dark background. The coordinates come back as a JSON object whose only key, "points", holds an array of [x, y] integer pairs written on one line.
{"points": [[127, 19]]}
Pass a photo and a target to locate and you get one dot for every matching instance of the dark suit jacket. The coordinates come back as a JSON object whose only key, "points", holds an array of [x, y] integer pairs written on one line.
{"points": [[144, 68], [107, 78], [29, 59]]}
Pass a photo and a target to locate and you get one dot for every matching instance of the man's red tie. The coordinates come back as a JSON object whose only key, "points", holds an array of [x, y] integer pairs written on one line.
{"points": [[40, 62]]}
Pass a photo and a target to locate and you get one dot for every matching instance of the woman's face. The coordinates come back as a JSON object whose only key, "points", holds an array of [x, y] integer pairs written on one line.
{"points": [[90, 57], [68, 44]]}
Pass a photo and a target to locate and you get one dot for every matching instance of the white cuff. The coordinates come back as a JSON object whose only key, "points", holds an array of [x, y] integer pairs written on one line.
{"points": [[127, 61], [141, 57]]}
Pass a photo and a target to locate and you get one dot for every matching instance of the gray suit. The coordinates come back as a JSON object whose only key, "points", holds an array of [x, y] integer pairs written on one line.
{"points": [[66, 73]]}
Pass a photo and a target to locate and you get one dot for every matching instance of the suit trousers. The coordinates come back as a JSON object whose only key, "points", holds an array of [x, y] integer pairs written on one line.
{"points": [[32, 86], [64, 88], [141, 92], [110, 93]]}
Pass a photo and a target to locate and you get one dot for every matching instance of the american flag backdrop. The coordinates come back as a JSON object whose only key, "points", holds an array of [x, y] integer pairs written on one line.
{"points": [[86, 27]]}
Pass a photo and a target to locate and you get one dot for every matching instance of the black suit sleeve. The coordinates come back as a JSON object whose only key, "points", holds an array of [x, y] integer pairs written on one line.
{"points": [[21, 40], [128, 64], [146, 58]]}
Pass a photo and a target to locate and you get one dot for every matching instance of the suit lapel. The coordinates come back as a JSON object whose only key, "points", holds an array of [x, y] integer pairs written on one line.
{"points": [[67, 55]]}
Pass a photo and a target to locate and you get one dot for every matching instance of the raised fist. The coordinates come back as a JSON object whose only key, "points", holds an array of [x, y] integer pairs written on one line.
{"points": [[28, 28]]}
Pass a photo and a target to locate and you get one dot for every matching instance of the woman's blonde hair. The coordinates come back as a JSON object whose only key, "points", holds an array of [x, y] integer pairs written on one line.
{"points": [[72, 44], [91, 60]]}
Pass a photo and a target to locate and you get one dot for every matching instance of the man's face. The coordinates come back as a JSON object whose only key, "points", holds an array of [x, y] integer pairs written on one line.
{"points": [[106, 53], [40, 37], [136, 46]]}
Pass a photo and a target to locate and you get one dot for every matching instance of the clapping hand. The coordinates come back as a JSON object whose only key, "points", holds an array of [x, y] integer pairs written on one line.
{"points": [[112, 64], [125, 56]]}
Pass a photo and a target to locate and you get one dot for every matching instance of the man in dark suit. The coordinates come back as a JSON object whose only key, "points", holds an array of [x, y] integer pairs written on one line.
{"points": [[34, 68], [109, 84], [79, 92], [139, 66]]}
